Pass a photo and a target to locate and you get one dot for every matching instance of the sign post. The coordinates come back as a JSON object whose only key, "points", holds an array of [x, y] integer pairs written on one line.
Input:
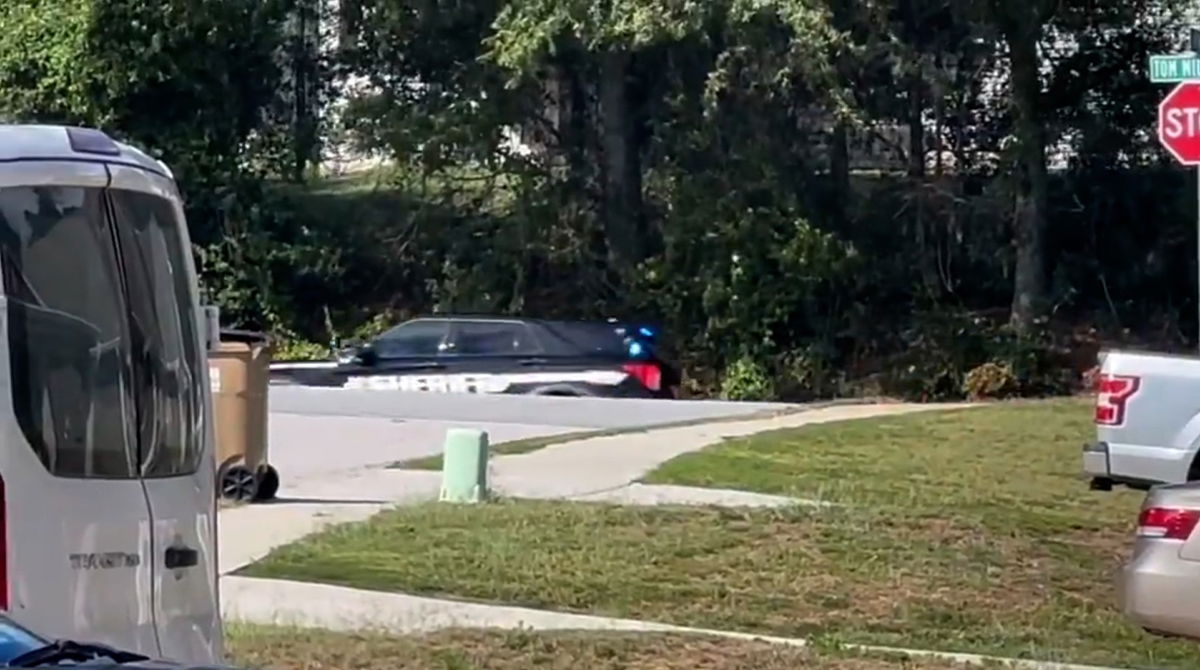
{"points": [[1179, 133]]}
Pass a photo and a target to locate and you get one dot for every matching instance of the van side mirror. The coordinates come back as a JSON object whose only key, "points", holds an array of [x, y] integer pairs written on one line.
{"points": [[212, 327]]}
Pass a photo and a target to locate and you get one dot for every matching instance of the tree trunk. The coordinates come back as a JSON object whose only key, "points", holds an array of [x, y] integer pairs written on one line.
{"points": [[839, 171], [916, 176], [1029, 280], [303, 79], [622, 206]]}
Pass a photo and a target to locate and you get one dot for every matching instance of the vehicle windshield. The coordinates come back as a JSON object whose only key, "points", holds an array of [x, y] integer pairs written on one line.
{"points": [[15, 640]]}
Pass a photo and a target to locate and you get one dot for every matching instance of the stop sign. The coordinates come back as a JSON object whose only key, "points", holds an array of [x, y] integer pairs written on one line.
{"points": [[1179, 123]]}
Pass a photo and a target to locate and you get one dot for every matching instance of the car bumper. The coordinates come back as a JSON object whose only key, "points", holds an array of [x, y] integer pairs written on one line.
{"points": [[1156, 590], [1134, 465]]}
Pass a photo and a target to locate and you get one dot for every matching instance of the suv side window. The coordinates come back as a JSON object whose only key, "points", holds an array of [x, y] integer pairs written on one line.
{"points": [[423, 337], [69, 345], [493, 338]]}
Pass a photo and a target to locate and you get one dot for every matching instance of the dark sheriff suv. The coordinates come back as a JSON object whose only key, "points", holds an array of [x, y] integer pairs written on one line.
{"points": [[472, 354]]}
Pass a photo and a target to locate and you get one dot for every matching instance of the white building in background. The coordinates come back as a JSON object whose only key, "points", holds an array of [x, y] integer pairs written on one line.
{"points": [[331, 31]]}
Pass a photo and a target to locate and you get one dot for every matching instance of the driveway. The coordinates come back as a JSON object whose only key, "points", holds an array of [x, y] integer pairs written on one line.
{"points": [[323, 434], [321, 448]]}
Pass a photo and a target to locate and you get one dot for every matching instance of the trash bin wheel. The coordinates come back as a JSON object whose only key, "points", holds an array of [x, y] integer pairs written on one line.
{"points": [[268, 483], [238, 483]]}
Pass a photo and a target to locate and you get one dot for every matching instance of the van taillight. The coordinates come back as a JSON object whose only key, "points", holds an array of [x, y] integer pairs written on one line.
{"points": [[4, 583], [1112, 395], [649, 374], [1167, 524]]}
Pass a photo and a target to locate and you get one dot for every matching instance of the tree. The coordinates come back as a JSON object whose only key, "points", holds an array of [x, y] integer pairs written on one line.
{"points": [[614, 45], [1022, 29]]}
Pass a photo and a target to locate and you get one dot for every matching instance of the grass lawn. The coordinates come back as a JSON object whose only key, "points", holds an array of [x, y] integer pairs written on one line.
{"points": [[963, 531], [282, 649]]}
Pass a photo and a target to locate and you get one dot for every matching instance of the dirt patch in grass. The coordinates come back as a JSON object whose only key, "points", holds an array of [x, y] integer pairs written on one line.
{"points": [[961, 531], [278, 649]]}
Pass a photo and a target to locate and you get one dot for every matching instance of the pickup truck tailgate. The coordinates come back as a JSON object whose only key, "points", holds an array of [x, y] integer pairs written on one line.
{"points": [[1147, 417]]}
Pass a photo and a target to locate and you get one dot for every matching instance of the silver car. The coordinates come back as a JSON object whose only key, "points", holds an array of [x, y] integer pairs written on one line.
{"points": [[1158, 585]]}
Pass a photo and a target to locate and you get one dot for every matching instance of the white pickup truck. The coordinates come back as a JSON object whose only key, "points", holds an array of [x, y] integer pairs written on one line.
{"points": [[1147, 421]]}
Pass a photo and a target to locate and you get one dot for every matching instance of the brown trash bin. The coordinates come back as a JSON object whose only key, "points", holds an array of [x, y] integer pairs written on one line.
{"points": [[239, 372]]}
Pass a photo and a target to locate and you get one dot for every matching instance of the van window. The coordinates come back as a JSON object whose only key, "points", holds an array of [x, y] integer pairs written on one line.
{"points": [[163, 333], [68, 337]]}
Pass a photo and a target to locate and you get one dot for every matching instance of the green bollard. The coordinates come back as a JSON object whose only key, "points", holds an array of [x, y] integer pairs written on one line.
{"points": [[464, 466]]}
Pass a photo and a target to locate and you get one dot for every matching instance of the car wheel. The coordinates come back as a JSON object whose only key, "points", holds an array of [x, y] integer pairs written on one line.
{"points": [[564, 391], [237, 483], [268, 483]]}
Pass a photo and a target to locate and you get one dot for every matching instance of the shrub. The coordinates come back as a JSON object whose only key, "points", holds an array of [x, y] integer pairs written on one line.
{"points": [[951, 355], [747, 379], [990, 381], [291, 349], [808, 374]]}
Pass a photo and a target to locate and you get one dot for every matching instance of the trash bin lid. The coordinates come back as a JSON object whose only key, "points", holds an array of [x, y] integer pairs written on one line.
{"points": [[244, 336]]}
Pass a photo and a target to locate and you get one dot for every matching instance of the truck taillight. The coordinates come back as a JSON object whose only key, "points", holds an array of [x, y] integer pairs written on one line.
{"points": [[1112, 396], [1167, 524], [649, 374]]}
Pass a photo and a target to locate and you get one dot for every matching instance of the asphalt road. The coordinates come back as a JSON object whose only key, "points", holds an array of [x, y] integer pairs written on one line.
{"points": [[322, 434], [597, 413]]}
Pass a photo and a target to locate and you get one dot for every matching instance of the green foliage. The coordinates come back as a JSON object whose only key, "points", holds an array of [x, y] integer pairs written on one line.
{"points": [[288, 349], [198, 84], [747, 379], [44, 68], [680, 161], [990, 381], [809, 373], [950, 354]]}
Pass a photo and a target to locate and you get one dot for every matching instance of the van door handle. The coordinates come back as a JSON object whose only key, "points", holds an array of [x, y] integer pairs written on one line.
{"points": [[534, 361], [177, 558]]}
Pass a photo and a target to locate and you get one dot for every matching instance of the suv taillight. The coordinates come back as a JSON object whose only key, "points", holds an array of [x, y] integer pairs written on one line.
{"points": [[1167, 524], [1112, 395], [649, 374]]}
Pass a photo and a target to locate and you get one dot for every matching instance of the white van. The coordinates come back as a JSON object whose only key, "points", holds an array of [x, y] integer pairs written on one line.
{"points": [[106, 465]]}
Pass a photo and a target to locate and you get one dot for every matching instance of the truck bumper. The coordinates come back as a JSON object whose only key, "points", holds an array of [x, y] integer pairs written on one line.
{"points": [[1135, 466], [1095, 466]]}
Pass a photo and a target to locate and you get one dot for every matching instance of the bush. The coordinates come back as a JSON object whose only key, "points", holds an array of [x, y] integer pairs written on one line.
{"points": [[290, 349], [747, 379], [951, 355], [990, 381], [808, 374]]}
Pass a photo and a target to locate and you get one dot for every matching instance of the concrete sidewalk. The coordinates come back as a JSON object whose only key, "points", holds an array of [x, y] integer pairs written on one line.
{"points": [[594, 465]]}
